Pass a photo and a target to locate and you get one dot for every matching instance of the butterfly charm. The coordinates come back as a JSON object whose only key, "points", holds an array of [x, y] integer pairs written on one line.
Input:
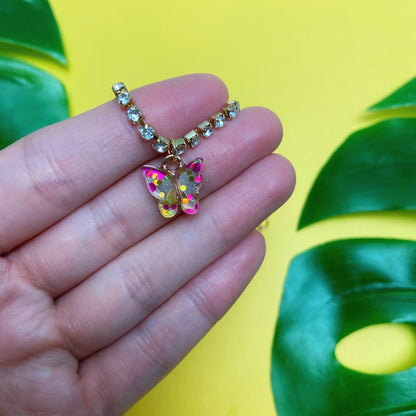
{"points": [[174, 188]]}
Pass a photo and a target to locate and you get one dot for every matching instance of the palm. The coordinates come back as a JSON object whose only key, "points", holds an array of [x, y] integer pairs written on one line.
{"points": [[100, 296], [38, 372]]}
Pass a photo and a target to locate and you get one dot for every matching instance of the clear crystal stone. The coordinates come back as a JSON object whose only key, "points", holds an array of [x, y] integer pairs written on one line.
{"points": [[179, 146], [147, 132], [233, 108], [161, 144], [206, 128], [117, 88], [219, 120], [192, 138], [124, 98], [134, 114], [194, 142]]}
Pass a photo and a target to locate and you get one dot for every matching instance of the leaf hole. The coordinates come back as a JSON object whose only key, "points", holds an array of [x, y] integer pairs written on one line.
{"points": [[379, 349]]}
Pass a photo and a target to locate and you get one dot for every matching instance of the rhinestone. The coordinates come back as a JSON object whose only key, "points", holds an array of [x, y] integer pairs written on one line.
{"points": [[232, 109], [178, 146], [134, 114], [161, 144], [147, 132], [206, 128], [218, 120], [124, 98], [119, 87], [192, 138]]}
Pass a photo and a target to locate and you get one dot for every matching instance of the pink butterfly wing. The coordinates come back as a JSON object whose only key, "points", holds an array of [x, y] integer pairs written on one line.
{"points": [[189, 184], [162, 187]]}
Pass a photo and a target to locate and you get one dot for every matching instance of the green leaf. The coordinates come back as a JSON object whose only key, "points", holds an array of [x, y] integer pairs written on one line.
{"points": [[29, 99], [331, 291], [31, 23], [373, 170], [405, 96]]}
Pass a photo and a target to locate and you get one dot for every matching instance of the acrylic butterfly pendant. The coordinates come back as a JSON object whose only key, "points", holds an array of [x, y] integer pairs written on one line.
{"points": [[174, 188]]}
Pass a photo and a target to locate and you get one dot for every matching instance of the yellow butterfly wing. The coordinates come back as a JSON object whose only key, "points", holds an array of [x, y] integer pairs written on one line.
{"points": [[161, 186]]}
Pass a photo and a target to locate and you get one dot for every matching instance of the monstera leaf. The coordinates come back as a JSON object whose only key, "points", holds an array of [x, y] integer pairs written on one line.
{"points": [[331, 291], [405, 96], [30, 98], [335, 289], [373, 170], [30, 23]]}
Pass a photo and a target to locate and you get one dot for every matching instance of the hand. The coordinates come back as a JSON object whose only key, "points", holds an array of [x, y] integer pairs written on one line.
{"points": [[100, 296]]}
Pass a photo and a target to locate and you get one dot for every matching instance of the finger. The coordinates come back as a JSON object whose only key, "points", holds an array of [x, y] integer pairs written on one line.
{"points": [[120, 295], [57, 169], [122, 373], [99, 231]]}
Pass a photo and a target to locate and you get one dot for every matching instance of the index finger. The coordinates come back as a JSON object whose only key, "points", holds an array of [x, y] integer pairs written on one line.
{"points": [[50, 173]]}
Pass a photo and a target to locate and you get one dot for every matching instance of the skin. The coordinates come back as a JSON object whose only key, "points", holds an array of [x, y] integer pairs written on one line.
{"points": [[100, 297]]}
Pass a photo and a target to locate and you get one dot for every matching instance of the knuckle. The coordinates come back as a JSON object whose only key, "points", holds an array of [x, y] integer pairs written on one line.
{"points": [[138, 285], [152, 352], [202, 303], [111, 225], [47, 173], [219, 222], [97, 387], [9, 289]]}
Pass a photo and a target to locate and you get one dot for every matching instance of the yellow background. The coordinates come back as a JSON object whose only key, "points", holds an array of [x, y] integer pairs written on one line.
{"points": [[318, 65]]}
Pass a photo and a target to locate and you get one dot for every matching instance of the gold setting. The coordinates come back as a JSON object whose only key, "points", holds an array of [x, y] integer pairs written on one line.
{"points": [[178, 146], [134, 114], [205, 129], [192, 138], [124, 98], [218, 120], [147, 132], [161, 144], [118, 88], [264, 225], [231, 110]]}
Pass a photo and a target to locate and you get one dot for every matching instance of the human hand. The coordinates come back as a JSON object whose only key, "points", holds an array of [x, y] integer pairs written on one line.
{"points": [[100, 296]]}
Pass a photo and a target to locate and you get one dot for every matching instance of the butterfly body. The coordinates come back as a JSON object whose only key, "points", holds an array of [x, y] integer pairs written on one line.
{"points": [[175, 188]]}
